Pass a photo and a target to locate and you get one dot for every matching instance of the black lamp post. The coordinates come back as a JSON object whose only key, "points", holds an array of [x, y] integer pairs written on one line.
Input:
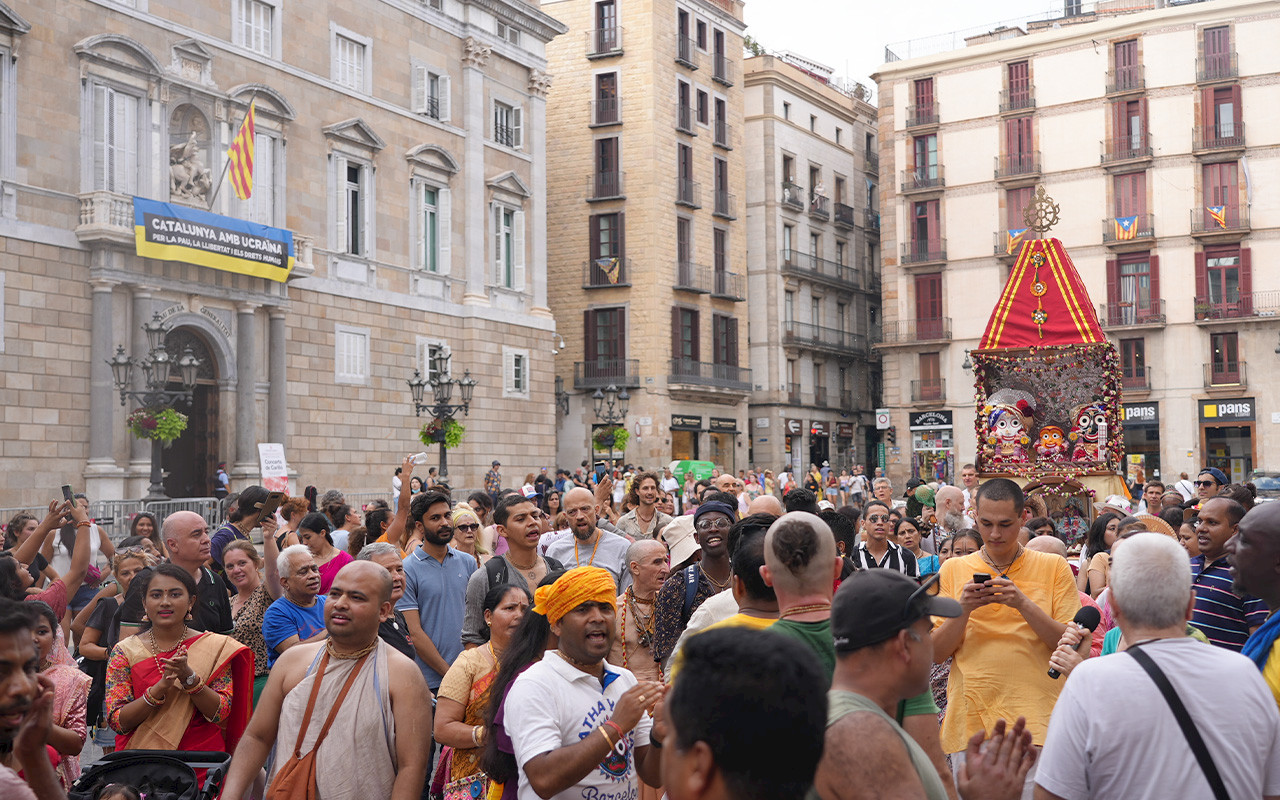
{"points": [[611, 408], [440, 408], [157, 366]]}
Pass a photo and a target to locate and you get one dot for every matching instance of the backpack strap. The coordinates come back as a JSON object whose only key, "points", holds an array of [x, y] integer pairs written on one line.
{"points": [[690, 589], [496, 568]]}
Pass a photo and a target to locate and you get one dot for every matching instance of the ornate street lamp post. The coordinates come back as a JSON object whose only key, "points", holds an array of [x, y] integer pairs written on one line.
{"points": [[440, 408], [157, 366], [610, 409]]}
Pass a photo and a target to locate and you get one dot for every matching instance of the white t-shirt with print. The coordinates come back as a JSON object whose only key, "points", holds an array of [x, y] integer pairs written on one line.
{"points": [[553, 705]]}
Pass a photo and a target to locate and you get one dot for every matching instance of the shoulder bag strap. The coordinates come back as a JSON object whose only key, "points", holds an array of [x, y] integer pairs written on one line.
{"points": [[311, 705], [346, 687], [1184, 721]]}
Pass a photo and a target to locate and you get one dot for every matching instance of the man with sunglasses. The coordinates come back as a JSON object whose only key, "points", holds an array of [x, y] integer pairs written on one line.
{"points": [[875, 550], [880, 623], [1208, 483]]}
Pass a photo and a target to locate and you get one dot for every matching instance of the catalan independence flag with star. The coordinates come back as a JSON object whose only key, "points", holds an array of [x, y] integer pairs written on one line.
{"points": [[241, 156]]}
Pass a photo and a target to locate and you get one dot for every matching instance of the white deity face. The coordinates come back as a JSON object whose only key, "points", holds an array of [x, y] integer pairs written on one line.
{"points": [[1008, 428]]}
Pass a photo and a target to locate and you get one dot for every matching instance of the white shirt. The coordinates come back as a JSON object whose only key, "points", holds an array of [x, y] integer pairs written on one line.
{"points": [[610, 555], [1112, 734], [554, 705], [716, 608], [670, 485]]}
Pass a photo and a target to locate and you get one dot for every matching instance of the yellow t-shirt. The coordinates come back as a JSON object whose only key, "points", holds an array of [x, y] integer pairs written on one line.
{"points": [[1271, 672], [738, 620], [1001, 668]]}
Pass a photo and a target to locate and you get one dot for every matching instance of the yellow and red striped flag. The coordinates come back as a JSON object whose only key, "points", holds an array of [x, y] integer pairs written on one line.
{"points": [[241, 156]]}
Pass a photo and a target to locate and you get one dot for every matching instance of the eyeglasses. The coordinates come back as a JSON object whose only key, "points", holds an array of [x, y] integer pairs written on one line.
{"points": [[467, 528], [877, 519], [1206, 484], [713, 524]]}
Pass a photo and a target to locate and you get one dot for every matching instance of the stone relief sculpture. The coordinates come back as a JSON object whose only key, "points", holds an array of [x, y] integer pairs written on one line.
{"points": [[189, 177]]}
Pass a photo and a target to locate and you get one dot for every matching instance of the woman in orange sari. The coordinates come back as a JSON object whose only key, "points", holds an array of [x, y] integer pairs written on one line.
{"points": [[464, 693], [172, 688]]}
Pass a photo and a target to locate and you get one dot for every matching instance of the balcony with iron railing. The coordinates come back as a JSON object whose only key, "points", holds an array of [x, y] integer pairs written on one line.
{"points": [[817, 337], [722, 71], [1126, 149], [726, 205], [1018, 165], [686, 52], [722, 133], [688, 193], [601, 372], [606, 273], [1141, 230], [1235, 306], [606, 111], [819, 206], [1125, 80], [1003, 248], [846, 399], [922, 114], [871, 218], [684, 119], [504, 135], [728, 377], [811, 267], [691, 277], [603, 42], [793, 195], [911, 331], [1135, 378], [1132, 314], [1223, 374], [1233, 224], [922, 179], [606, 186], [924, 251], [1214, 138], [929, 390], [793, 394], [845, 215], [726, 285], [1216, 67], [1017, 99], [433, 107], [872, 161], [820, 396]]}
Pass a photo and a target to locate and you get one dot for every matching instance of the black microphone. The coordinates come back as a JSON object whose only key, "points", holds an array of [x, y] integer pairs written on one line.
{"points": [[1088, 618]]}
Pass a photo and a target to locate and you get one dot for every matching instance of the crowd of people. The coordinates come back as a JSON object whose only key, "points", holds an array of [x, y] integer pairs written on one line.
{"points": [[734, 637]]}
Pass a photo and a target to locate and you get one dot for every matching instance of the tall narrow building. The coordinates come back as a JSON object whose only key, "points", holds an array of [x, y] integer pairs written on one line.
{"points": [[646, 238]]}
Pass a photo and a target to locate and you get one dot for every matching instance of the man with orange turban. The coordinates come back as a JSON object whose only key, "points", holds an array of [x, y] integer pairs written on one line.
{"points": [[562, 709]]}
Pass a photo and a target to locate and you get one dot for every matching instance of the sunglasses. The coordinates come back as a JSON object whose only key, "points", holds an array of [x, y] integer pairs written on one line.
{"points": [[713, 524], [467, 528], [1206, 484]]}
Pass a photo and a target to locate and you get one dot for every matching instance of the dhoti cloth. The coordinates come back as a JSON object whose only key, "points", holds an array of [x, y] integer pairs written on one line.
{"points": [[357, 759]]}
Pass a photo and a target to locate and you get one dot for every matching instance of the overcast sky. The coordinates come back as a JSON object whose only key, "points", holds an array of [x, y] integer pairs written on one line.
{"points": [[850, 37]]}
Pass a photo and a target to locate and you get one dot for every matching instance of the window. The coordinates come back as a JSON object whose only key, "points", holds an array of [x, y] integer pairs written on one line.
{"points": [[704, 110], [815, 310], [1133, 363], [428, 349], [606, 250], [1131, 194], [430, 92], [925, 239], [788, 240], [930, 368], [350, 60], [1224, 278], [508, 33], [252, 26], [353, 208], [1221, 185], [1018, 139], [842, 312], [720, 255], [508, 125], [351, 355], [1128, 71], [605, 343], [608, 181], [515, 372], [724, 339], [928, 305], [839, 134], [1225, 366], [606, 39], [1226, 111], [115, 140], [721, 173], [684, 251], [684, 107], [926, 150], [1217, 53], [508, 247], [701, 29], [606, 99], [789, 307], [1019, 77], [684, 343], [684, 164], [260, 206], [813, 124], [788, 169], [1132, 289], [434, 234], [1016, 201], [840, 249], [924, 109], [815, 246], [786, 111]]}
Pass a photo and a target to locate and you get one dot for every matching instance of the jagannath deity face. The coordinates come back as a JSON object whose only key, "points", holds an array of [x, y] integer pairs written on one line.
{"points": [[1089, 422], [1052, 437], [1007, 426]]}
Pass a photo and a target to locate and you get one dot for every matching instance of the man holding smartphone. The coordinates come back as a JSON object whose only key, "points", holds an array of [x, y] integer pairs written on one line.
{"points": [[1015, 604]]}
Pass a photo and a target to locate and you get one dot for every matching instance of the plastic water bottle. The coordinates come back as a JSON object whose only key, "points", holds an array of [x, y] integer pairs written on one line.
{"points": [[418, 459]]}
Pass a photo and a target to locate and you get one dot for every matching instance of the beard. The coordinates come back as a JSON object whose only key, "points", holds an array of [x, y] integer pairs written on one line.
{"points": [[442, 536], [953, 520]]}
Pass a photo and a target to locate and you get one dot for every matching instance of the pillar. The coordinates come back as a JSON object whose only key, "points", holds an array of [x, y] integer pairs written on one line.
{"points": [[536, 231], [277, 402], [475, 56], [246, 380], [140, 449], [102, 390]]}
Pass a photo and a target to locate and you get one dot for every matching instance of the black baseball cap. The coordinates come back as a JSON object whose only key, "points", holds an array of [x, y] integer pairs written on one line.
{"points": [[911, 486], [872, 605]]}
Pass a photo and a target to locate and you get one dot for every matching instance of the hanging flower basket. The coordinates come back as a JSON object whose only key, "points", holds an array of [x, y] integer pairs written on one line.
{"points": [[448, 431], [611, 438], [157, 424]]}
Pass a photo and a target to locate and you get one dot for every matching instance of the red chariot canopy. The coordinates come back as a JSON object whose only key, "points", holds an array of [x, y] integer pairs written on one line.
{"points": [[1044, 303]]}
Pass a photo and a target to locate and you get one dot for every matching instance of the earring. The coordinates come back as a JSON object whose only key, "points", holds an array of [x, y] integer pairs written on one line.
{"points": [[144, 618]]}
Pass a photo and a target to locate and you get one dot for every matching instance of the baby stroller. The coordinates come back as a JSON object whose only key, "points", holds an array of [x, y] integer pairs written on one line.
{"points": [[156, 774]]}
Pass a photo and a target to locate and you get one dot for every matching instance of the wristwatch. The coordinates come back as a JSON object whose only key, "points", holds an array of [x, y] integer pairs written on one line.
{"points": [[191, 681]]}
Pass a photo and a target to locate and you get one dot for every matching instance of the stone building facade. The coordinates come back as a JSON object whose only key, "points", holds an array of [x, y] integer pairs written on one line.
{"points": [[1142, 125], [813, 264], [403, 145], [647, 241]]}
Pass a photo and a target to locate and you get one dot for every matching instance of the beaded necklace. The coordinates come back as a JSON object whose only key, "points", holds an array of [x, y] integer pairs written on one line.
{"points": [[179, 649], [578, 558], [808, 608], [361, 653]]}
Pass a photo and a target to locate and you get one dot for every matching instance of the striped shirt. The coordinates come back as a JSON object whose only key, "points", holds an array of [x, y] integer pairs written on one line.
{"points": [[1220, 613], [895, 558]]}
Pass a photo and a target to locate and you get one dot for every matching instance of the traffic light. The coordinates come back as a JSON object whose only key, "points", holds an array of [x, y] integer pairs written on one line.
{"points": [[891, 434]]}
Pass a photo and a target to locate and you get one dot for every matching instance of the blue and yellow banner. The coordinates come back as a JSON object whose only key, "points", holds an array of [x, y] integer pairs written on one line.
{"points": [[170, 232], [1126, 228]]}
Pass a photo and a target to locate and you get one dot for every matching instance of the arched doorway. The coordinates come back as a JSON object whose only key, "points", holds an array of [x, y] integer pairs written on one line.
{"points": [[191, 461]]}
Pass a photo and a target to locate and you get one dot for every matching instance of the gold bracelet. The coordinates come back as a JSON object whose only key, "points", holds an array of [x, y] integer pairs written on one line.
{"points": [[605, 734], [146, 698], [475, 734], [193, 691]]}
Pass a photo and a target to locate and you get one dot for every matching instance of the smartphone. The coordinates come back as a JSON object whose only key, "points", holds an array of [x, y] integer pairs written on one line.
{"points": [[67, 494], [270, 505], [981, 577]]}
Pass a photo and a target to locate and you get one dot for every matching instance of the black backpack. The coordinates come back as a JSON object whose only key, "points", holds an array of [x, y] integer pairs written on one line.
{"points": [[496, 569]]}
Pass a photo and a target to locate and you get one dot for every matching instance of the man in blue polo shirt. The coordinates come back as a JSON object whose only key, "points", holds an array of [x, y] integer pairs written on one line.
{"points": [[435, 588], [1225, 617], [297, 616]]}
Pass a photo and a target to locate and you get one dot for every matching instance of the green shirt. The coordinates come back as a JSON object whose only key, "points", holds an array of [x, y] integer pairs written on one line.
{"points": [[814, 635]]}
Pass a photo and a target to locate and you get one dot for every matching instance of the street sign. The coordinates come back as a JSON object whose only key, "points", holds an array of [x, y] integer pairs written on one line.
{"points": [[882, 419]]}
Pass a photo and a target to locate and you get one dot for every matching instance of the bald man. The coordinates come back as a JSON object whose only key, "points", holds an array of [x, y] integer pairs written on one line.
{"points": [[648, 565], [589, 545], [766, 504], [951, 518], [186, 534]]}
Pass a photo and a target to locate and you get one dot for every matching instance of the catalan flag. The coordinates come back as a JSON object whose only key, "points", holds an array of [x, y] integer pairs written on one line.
{"points": [[1126, 228], [1014, 240], [611, 267], [241, 157], [1219, 214]]}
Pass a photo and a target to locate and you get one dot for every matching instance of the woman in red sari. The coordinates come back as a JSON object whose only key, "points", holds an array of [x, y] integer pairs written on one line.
{"points": [[172, 688]]}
